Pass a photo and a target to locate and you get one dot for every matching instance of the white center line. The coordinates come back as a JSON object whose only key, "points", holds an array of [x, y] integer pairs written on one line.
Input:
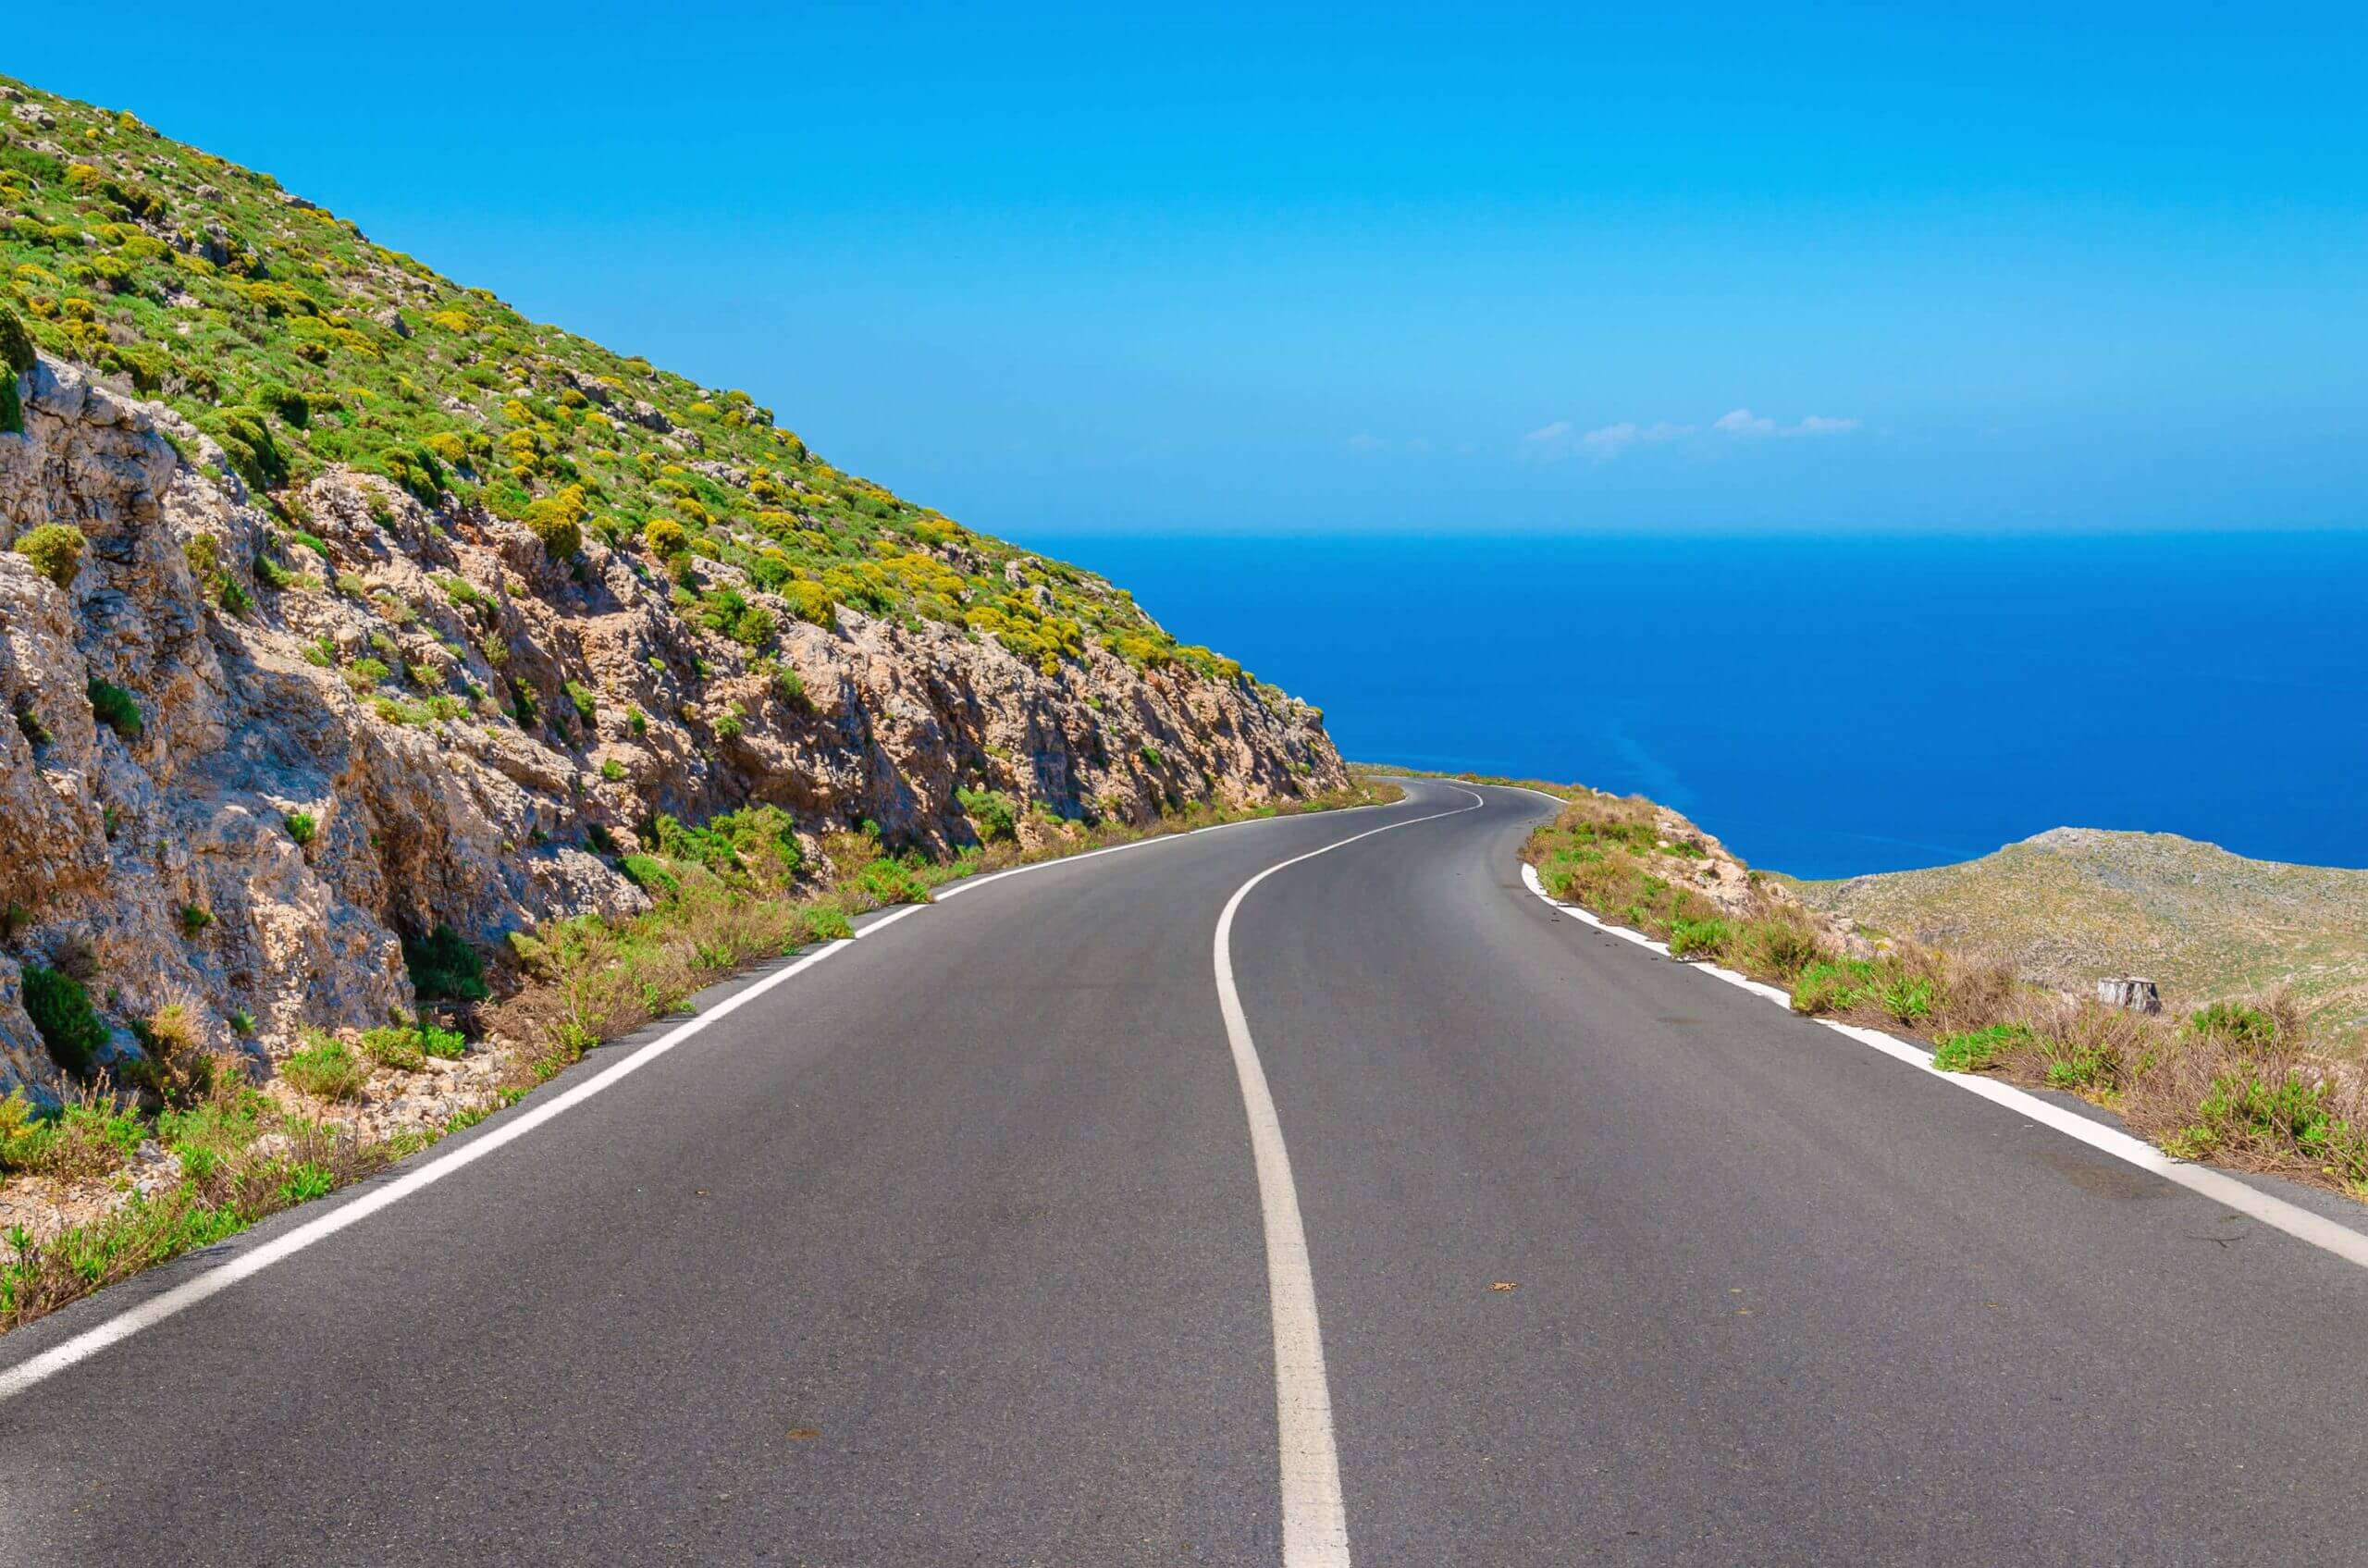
{"points": [[1315, 1525]]}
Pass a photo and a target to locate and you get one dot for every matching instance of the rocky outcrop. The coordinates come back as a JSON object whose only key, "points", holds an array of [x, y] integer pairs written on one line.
{"points": [[359, 717]]}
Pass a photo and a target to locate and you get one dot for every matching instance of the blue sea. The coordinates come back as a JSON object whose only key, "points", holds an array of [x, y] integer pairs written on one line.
{"points": [[1827, 706]]}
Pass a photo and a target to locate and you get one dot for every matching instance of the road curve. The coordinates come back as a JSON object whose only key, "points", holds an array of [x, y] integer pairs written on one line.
{"points": [[954, 1248]]}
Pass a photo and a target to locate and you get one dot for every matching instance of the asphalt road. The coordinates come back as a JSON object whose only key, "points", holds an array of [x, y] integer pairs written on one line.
{"points": [[951, 1249]]}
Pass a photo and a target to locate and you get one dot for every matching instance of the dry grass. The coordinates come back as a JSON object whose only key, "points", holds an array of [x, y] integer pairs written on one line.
{"points": [[304, 1161], [2243, 1083]]}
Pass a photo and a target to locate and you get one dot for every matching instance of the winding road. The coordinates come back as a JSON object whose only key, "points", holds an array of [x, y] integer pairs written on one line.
{"points": [[1304, 1192]]}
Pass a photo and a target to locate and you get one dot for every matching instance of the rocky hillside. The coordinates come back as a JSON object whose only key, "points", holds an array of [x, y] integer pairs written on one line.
{"points": [[339, 603], [2075, 904]]}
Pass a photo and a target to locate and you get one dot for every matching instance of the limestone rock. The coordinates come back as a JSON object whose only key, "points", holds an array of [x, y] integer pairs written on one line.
{"points": [[437, 699]]}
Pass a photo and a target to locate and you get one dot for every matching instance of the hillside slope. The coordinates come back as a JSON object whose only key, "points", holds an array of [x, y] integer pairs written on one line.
{"points": [[2074, 904], [339, 603]]}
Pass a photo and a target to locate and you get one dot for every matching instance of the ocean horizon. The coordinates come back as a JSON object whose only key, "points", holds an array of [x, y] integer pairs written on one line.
{"points": [[1828, 706]]}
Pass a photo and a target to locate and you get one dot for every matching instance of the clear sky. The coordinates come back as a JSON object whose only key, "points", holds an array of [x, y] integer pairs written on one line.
{"points": [[1447, 268]]}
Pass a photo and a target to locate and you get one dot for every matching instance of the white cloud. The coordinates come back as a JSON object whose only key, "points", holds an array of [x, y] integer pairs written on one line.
{"points": [[1548, 443], [1363, 441], [1745, 423], [1608, 443]]}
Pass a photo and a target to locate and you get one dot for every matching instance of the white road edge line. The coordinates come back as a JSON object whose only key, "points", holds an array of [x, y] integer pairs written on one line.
{"points": [[38, 1368], [58, 1357], [2292, 1218], [1315, 1523], [965, 884]]}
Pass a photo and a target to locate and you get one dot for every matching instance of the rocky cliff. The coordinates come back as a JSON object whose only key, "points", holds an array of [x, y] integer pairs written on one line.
{"points": [[294, 690]]}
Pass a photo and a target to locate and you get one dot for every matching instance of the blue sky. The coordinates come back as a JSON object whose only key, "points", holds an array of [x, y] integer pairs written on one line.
{"points": [[1484, 268]]}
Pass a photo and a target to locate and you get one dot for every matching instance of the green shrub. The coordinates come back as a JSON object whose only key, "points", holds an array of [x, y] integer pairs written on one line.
{"points": [[17, 354], [991, 811], [254, 453], [62, 1013], [325, 1068], [416, 471], [312, 1179], [1151, 756], [21, 1130], [559, 526], [1706, 939], [12, 408], [285, 402], [77, 1142], [1831, 986], [754, 628], [2075, 1066], [114, 708], [2248, 1029], [302, 826], [665, 537], [2289, 1113], [612, 770], [581, 695], [890, 881], [1909, 998], [195, 918], [649, 874], [55, 550], [442, 964], [29, 724], [1778, 947], [1977, 1050], [407, 1046]]}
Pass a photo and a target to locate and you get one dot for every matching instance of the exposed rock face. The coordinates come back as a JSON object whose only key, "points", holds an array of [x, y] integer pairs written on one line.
{"points": [[421, 695]]}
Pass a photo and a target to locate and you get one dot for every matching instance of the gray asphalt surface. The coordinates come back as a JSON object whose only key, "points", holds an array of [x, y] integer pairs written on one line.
{"points": [[971, 1202]]}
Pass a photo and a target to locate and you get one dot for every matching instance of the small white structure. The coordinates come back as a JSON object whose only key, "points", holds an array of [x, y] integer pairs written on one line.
{"points": [[2130, 991]]}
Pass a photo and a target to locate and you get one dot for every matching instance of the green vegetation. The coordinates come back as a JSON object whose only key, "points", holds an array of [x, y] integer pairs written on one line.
{"points": [[297, 343], [16, 343], [991, 811], [114, 708], [55, 550], [62, 1013], [2245, 1028], [79, 1141], [407, 1046], [444, 965], [2238, 1082], [301, 826], [325, 1068], [1977, 1050], [1698, 939]]}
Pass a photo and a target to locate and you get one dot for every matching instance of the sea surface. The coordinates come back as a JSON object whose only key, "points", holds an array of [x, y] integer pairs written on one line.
{"points": [[1827, 706]]}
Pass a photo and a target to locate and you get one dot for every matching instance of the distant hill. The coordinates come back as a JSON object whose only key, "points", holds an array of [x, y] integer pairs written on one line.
{"points": [[2072, 904]]}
